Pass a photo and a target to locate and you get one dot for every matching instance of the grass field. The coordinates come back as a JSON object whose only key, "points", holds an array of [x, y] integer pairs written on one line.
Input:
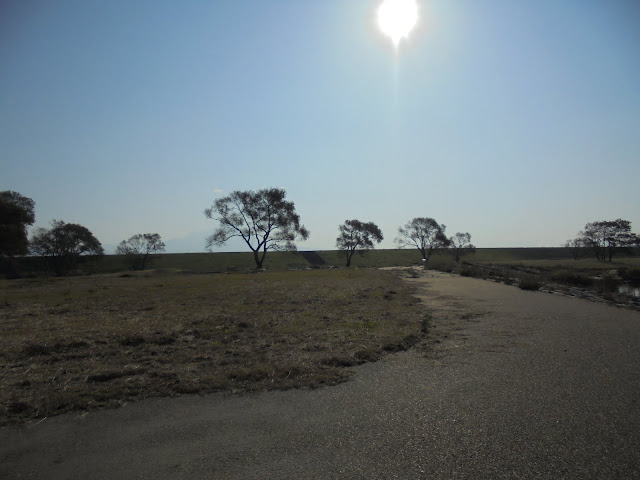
{"points": [[103, 340], [199, 323]]}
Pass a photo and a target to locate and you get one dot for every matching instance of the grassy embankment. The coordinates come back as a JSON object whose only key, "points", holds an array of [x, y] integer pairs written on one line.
{"points": [[546, 258]]}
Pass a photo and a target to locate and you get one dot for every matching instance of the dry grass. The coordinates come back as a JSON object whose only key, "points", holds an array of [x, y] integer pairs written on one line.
{"points": [[87, 342]]}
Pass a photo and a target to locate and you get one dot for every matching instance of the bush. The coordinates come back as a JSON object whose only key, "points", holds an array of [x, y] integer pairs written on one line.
{"points": [[630, 275], [608, 284], [466, 272], [568, 277], [441, 264], [413, 273], [529, 283], [472, 271]]}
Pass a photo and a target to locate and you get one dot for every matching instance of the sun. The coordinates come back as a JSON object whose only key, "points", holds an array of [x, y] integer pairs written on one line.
{"points": [[396, 19]]}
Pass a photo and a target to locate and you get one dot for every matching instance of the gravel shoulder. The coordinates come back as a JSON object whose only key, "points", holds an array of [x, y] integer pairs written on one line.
{"points": [[510, 384]]}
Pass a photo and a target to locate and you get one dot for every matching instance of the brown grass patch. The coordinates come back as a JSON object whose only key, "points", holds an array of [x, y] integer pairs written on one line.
{"points": [[87, 342]]}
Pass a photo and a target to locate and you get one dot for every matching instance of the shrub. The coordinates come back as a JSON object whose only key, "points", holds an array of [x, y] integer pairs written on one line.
{"points": [[466, 272], [608, 284], [631, 275], [413, 273], [472, 271], [441, 264], [529, 283], [568, 277]]}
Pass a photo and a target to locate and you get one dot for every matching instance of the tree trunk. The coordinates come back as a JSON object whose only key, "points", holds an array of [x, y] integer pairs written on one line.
{"points": [[258, 260], [424, 257]]}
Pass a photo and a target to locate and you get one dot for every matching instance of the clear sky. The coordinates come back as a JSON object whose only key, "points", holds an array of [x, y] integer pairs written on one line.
{"points": [[517, 121]]}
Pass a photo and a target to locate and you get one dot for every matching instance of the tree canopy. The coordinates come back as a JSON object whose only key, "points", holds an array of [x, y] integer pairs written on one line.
{"points": [[425, 234], [16, 213], [263, 219], [139, 247], [63, 244], [357, 235], [606, 238]]}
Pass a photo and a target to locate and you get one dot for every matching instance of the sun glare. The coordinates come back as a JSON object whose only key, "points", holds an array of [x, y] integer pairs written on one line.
{"points": [[396, 19]]}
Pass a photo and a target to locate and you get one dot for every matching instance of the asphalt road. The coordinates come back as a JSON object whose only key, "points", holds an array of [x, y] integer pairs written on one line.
{"points": [[510, 385]]}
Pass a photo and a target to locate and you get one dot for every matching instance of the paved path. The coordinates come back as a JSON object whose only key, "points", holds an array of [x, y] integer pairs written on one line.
{"points": [[520, 385]]}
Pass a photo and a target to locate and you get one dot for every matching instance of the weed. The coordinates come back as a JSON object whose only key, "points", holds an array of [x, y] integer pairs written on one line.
{"points": [[413, 273], [608, 283], [529, 283], [630, 275], [472, 271], [568, 277]]}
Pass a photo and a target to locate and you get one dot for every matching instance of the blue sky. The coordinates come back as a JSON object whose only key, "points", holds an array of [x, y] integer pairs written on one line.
{"points": [[516, 121]]}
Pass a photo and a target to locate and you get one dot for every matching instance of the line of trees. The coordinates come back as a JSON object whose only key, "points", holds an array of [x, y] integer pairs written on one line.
{"points": [[423, 233], [265, 221], [63, 245], [604, 239]]}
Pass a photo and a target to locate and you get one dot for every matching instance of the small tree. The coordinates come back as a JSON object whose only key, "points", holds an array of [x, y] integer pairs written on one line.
{"points": [[139, 247], [63, 244], [357, 235], [16, 212], [425, 234], [263, 219], [461, 245]]}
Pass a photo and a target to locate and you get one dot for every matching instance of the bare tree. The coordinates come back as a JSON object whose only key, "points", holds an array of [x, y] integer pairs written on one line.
{"points": [[263, 219], [139, 247], [461, 245], [357, 235], [425, 234], [63, 244]]}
